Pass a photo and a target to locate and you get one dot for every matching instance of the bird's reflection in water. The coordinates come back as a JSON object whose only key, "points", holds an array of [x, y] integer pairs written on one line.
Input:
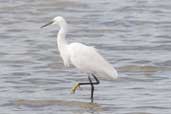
{"points": [[85, 107]]}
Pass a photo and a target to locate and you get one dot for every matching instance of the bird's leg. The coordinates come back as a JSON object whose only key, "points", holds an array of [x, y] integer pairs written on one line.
{"points": [[97, 81], [74, 88], [92, 89], [77, 85], [92, 85]]}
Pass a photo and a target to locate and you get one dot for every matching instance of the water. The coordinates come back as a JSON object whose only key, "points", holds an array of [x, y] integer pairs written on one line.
{"points": [[134, 35]]}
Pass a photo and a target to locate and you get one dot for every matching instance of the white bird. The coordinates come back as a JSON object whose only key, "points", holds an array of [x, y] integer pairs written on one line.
{"points": [[85, 58]]}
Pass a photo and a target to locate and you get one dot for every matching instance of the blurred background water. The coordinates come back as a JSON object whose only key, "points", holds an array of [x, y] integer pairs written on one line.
{"points": [[134, 35]]}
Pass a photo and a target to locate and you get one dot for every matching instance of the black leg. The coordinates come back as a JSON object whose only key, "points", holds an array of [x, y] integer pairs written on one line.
{"points": [[89, 83], [92, 89], [97, 81], [94, 83]]}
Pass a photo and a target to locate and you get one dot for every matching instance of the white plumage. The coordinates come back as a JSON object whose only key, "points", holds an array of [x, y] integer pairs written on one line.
{"points": [[85, 58]]}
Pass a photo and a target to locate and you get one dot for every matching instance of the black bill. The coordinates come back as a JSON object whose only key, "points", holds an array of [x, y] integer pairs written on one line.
{"points": [[47, 24]]}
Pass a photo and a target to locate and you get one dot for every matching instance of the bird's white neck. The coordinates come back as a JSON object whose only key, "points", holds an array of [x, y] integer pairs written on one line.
{"points": [[61, 41]]}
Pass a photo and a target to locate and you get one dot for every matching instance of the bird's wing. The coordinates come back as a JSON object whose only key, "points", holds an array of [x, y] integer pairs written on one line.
{"points": [[88, 59]]}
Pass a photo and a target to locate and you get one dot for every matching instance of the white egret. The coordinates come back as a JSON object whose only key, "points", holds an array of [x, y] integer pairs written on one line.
{"points": [[85, 58]]}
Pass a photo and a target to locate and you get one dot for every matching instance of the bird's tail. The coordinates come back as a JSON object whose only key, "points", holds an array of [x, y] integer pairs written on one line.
{"points": [[113, 74]]}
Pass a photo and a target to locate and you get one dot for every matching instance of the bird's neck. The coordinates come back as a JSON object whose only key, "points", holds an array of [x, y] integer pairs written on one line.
{"points": [[61, 41]]}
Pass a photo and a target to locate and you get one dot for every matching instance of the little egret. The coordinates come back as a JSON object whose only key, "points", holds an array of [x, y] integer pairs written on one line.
{"points": [[85, 58]]}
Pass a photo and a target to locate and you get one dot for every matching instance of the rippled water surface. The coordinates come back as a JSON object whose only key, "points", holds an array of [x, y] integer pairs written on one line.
{"points": [[134, 35]]}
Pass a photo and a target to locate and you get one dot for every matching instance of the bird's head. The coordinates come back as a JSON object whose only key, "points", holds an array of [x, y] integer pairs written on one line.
{"points": [[60, 21]]}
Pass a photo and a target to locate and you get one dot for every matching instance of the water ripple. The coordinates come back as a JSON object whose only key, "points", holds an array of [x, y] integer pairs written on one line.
{"points": [[133, 35]]}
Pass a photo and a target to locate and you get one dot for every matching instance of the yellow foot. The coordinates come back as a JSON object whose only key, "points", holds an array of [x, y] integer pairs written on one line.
{"points": [[74, 88]]}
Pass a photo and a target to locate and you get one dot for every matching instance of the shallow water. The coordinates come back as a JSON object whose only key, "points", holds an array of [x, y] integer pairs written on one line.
{"points": [[134, 35]]}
